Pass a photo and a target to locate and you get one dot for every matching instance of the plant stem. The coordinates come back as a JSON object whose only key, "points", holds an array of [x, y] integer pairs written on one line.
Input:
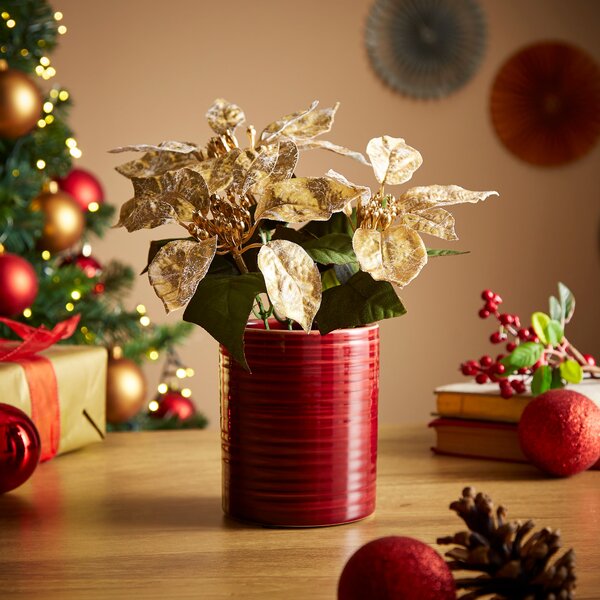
{"points": [[239, 261], [264, 313]]}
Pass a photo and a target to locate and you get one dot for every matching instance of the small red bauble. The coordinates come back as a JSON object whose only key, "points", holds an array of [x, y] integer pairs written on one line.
{"points": [[88, 264], [83, 186], [172, 403], [559, 432], [19, 447], [19, 284], [396, 567]]}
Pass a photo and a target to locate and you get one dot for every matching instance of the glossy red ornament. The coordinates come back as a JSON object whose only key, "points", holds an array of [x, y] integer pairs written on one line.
{"points": [[299, 433], [83, 186], [20, 447], [18, 284], [171, 404], [396, 567], [88, 264], [559, 432]]}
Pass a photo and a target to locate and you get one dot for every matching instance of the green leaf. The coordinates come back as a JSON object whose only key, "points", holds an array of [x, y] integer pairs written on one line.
{"points": [[433, 253], [360, 301], [554, 332], [525, 355], [221, 306], [344, 272], [556, 311], [557, 380], [338, 223], [539, 321], [571, 371], [329, 279], [567, 301], [331, 249], [542, 380]]}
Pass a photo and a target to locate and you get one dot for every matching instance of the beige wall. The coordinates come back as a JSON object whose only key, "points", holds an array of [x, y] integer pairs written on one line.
{"points": [[145, 71]]}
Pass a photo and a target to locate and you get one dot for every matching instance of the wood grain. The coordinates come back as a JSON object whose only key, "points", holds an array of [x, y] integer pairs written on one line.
{"points": [[140, 515]]}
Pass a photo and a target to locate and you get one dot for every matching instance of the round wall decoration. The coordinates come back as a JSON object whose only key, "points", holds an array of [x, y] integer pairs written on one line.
{"points": [[425, 48], [545, 103]]}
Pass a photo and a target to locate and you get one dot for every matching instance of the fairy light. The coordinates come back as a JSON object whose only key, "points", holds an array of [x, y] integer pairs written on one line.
{"points": [[76, 295], [63, 95], [86, 250], [54, 93], [5, 15], [153, 355], [45, 61], [93, 207], [58, 16], [71, 143], [145, 321], [40, 164], [53, 187], [49, 119], [181, 373], [46, 255], [24, 52], [62, 29], [76, 153], [16, 172], [39, 70], [11, 23], [141, 309], [189, 372], [153, 405], [83, 329], [41, 123], [70, 306], [186, 392], [49, 73], [27, 313], [162, 388]]}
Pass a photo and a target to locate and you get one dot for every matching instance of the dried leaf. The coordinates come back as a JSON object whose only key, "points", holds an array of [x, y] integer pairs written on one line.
{"points": [[179, 147], [178, 268], [393, 160], [429, 196], [286, 161], [145, 213], [274, 130], [305, 199], [397, 255], [325, 145], [219, 173], [223, 117], [293, 281], [434, 221], [156, 163]]}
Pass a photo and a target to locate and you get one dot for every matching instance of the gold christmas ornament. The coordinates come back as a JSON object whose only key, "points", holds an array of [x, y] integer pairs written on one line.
{"points": [[20, 102], [125, 389], [64, 221]]}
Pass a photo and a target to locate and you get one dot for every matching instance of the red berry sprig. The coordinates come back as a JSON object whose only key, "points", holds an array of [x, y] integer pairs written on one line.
{"points": [[555, 361]]}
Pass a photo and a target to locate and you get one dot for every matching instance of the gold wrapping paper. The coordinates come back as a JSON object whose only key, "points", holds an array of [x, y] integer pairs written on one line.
{"points": [[81, 376]]}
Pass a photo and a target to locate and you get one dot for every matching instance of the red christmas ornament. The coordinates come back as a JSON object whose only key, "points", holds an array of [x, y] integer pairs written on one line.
{"points": [[88, 264], [559, 432], [19, 284], [396, 567], [172, 403], [83, 186], [19, 447]]}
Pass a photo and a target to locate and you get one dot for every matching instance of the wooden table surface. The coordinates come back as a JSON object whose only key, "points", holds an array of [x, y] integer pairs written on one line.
{"points": [[140, 515]]}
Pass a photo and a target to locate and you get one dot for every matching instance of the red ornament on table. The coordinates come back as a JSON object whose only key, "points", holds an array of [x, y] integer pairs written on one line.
{"points": [[20, 447], [18, 282], [172, 403], [396, 567], [83, 186], [559, 432]]}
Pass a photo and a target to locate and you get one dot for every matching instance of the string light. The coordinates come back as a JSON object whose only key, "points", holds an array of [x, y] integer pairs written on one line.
{"points": [[53, 187], [40, 164], [162, 388], [46, 255], [181, 373], [93, 206], [141, 309], [84, 329], [153, 405], [41, 123], [76, 295], [153, 355], [10, 23], [53, 93], [48, 107], [16, 172], [45, 61], [62, 29], [27, 313], [70, 306], [186, 392], [49, 119], [5, 15], [86, 250], [63, 95], [58, 16], [189, 372], [145, 321], [24, 52]]}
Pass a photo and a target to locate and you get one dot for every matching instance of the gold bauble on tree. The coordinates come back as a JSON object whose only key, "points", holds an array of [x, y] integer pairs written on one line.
{"points": [[63, 220], [126, 388], [20, 103]]}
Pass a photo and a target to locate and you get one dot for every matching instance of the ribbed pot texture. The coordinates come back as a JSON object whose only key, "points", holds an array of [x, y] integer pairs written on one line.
{"points": [[299, 433]]}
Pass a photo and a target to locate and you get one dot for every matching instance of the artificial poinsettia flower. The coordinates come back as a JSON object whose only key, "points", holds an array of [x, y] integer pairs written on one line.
{"points": [[386, 242]]}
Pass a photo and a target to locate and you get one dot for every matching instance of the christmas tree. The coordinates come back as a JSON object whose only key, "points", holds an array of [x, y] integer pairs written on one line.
{"points": [[50, 213]]}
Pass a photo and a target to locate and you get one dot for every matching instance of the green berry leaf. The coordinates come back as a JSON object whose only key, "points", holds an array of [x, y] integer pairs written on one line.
{"points": [[571, 371], [567, 301], [556, 310], [539, 321], [525, 355], [542, 380], [557, 380], [554, 332], [434, 252]]}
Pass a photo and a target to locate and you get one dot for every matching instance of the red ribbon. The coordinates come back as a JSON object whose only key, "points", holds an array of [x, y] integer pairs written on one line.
{"points": [[40, 375]]}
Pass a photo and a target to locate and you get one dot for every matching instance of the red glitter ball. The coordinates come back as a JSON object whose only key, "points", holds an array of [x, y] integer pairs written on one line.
{"points": [[396, 567], [559, 432]]}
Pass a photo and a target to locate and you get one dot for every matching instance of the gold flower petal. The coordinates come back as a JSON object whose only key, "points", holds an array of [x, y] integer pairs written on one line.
{"points": [[223, 117], [293, 281], [434, 221], [305, 199], [397, 255], [429, 196], [261, 167], [219, 174], [274, 130], [145, 213], [156, 163], [393, 160], [179, 147], [178, 268], [286, 160], [325, 145]]}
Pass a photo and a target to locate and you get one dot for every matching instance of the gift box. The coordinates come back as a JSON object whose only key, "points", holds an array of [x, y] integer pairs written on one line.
{"points": [[62, 388]]}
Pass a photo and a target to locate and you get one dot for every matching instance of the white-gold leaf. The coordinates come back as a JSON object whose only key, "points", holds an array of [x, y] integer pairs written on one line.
{"points": [[293, 281], [396, 255], [223, 117], [178, 268], [434, 221], [325, 145], [219, 174], [178, 147], [286, 161], [393, 160], [363, 193], [156, 163], [429, 196], [145, 213], [274, 130]]}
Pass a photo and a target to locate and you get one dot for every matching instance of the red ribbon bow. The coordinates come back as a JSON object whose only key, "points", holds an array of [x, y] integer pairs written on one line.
{"points": [[41, 378]]}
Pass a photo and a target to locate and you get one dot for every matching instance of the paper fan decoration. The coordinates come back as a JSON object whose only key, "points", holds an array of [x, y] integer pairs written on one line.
{"points": [[425, 48], [545, 103]]}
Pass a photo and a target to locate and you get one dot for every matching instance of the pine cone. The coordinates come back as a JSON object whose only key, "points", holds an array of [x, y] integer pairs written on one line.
{"points": [[513, 564]]}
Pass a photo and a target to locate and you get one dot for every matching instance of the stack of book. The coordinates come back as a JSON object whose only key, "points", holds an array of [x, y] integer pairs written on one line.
{"points": [[475, 421]]}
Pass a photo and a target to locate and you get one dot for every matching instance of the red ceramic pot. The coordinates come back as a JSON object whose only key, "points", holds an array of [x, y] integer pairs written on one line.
{"points": [[299, 433]]}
